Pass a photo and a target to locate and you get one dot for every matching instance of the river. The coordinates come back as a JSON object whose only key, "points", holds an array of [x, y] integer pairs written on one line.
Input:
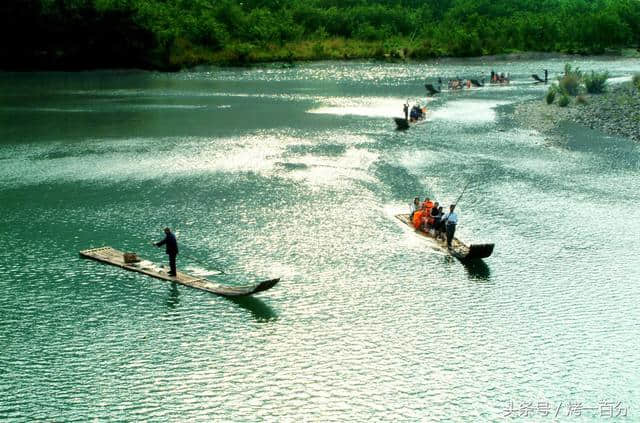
{"points": [[298, 173]]}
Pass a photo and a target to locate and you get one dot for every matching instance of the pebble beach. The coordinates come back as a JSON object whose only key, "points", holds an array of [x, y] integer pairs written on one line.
{"points": [[614, 112]]}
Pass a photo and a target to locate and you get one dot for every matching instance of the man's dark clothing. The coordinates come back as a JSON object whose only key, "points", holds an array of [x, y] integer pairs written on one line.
{"points": [[172, 265], [451, 230], [171, 248]]}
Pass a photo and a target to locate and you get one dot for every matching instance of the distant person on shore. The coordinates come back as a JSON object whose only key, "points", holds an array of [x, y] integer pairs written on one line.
{"points": [[405, 109], [171, 248], [451, 220]]}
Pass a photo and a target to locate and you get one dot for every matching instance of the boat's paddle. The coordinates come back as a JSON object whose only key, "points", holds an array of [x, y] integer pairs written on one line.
{"points": [[465, 188]]}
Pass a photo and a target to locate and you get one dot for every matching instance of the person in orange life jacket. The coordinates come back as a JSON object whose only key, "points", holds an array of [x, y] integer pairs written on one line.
{"points": [[417, 217], [452, 220], [171, 248], [428, 205]]}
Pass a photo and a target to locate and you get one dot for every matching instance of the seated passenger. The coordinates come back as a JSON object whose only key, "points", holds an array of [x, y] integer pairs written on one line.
{"points": [[417, 218], [440, 227], [413, 207], [426, 206], [414, 113], [434, 216]]}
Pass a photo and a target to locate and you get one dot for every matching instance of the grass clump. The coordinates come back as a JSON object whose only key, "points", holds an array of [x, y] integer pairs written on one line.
{"points": [[570, 82], [596, 82], [581, 99], [636, 80], [551, 95], [564, 100]]}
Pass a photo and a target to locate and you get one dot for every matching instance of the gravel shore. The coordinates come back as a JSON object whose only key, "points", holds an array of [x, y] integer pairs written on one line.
{"points": [[615, 112]]}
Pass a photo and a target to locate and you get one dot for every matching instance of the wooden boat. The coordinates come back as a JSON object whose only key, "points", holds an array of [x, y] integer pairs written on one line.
{"points": [[114, 257], [461, 88], [403, 124], [459, 249]]}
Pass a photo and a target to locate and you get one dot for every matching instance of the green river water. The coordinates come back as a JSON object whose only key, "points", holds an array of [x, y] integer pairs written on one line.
{"points": [[297, 173]]}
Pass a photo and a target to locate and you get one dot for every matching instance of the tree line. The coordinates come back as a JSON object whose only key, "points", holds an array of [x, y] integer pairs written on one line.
{"points": [[168, 34]]}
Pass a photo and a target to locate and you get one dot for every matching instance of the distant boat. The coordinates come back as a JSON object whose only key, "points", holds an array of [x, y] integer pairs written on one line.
{"points": [[537, 78], [459, 250], [404, 124], [455, 85], [431, 89]]}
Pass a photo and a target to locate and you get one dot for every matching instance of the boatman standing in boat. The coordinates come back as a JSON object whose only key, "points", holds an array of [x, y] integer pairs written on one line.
{"points": [[171, 248], [452, 220]]}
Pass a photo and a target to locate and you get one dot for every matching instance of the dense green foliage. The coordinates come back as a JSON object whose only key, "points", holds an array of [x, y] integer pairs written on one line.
{"points": [[636, 80], [162, 33], [596, 82], [563, 101]]}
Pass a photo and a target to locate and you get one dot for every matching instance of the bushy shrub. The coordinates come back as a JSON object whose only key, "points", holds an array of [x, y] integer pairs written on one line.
{"points": [[596, 82], [563, 101], [570, 71], [570, 82], [636, 80], [551, 95]]}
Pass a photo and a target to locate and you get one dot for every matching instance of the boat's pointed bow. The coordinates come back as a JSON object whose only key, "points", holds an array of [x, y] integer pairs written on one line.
{"points": [[478, 251], [264, 285]]}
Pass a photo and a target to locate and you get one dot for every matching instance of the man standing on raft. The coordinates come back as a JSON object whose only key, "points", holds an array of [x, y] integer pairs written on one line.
{"points": [[171, 248], [452, 220]]}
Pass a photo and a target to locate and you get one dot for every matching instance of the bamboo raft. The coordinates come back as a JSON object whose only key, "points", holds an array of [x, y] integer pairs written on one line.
{"points": [[459, 249], [114, 257]]}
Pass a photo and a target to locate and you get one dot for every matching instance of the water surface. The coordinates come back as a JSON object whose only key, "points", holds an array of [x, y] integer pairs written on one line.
{"points": [[298, 173]]}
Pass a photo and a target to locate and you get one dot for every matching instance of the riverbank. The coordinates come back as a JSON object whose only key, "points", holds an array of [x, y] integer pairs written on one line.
{"points": [[615, 112], [185, 55]]}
